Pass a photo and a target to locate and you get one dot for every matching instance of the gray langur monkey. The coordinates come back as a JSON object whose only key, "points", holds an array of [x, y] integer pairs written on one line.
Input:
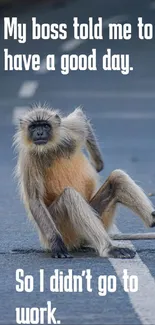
{"points": [[58, 184]]}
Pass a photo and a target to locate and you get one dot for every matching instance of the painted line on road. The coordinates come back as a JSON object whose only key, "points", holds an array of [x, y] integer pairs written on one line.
{"points": [[142, 300], [99, 94], [43, 68], [114, 20], [18, 112], [72, 44], [123, 115], [28, 89]]}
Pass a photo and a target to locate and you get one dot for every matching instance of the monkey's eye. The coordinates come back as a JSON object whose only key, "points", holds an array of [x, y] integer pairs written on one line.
{"points": [[32, 127], [47, 126]]}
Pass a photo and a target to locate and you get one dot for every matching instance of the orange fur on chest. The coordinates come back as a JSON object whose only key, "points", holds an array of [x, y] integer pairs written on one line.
{"points": [[75, 172]]}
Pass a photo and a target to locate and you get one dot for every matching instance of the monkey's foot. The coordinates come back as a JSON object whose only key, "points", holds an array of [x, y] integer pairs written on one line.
{"points": [[59, 254], [121, 252], [59, 250]]}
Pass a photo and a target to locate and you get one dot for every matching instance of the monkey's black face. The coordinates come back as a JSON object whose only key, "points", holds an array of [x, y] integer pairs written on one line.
{"points": [[40, 132]]}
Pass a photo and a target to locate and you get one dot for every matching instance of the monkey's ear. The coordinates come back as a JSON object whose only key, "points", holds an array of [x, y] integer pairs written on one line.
{"points": [[58, 119], [79, 111]]}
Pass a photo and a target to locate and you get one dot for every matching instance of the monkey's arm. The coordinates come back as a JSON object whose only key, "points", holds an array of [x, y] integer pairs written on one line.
{"points": [[80, 126], [93, 148], [48, 228]]}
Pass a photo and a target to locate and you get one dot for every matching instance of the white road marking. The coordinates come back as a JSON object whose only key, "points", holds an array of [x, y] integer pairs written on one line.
{"points": [[99, 94], [28, 89], [114, 20], [142, 300], [72, 44], [123, 115], [152, 5], [18, 112], [43, 69]]}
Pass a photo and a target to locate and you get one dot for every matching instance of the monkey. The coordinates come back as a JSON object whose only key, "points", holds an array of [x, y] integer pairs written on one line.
{"points": [[60, 184]]}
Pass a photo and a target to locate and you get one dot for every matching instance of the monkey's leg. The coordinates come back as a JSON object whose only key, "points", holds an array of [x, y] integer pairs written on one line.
{"points": [[120, 188], [48, 232], [71, 207]]}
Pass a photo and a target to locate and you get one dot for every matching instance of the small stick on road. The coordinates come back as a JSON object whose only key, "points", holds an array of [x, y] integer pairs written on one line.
{"points": [[139, 236]]}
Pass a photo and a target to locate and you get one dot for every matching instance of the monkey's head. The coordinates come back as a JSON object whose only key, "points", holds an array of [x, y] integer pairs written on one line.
{"points": [[40, 129]]}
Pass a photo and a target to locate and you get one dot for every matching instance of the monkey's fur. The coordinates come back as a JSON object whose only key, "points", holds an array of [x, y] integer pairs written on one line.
{"points": [[58, 184]]}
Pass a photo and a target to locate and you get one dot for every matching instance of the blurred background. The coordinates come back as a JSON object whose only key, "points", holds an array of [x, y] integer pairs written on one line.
{"points": [[122, 111]]}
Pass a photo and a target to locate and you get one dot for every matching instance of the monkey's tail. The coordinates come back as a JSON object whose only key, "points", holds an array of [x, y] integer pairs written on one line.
{"points": [[139, 236]]}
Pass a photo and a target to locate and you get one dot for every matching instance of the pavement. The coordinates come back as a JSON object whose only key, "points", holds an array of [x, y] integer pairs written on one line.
{"points": [[123, 114]]}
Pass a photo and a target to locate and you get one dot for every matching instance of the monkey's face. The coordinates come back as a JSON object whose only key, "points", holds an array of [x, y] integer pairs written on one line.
{"points": [[40, 129], [40, 132]]}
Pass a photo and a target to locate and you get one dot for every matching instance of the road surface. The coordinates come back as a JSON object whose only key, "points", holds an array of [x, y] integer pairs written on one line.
{"points": [[122, 109]]}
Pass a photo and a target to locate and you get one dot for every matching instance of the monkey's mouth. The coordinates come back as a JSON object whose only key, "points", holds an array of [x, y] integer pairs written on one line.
{"points": [[40, 141]]}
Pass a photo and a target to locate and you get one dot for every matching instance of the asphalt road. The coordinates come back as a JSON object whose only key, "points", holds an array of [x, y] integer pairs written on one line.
{"points": [[123, 113]]}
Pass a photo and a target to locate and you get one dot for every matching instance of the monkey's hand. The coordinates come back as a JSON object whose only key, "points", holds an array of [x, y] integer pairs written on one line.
{"points": [[98, 164], [59, 250], [121, 252]]}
